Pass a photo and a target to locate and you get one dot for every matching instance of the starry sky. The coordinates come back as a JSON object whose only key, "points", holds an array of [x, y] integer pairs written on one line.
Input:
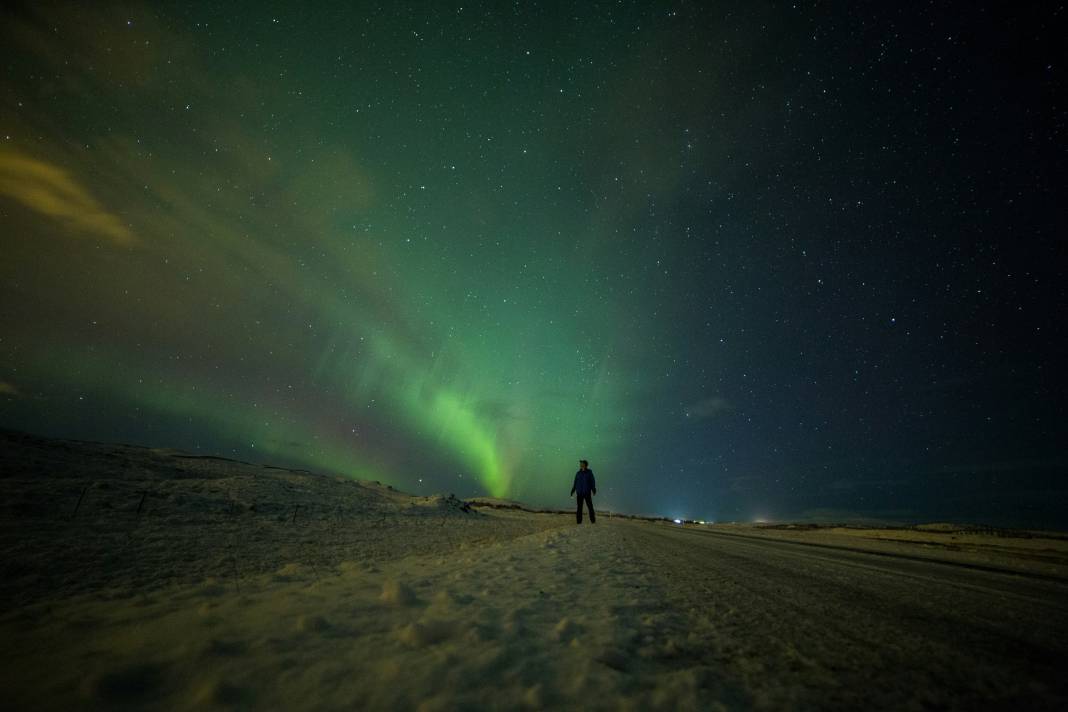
{"points": [[751, 260]]}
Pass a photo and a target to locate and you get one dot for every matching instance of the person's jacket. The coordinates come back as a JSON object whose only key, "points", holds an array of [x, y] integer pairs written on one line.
{"points": [[584, 483]]}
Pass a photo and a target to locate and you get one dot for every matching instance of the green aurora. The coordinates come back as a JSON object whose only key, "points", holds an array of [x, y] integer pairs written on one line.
{"points": [[750, 259], [263, 239]]}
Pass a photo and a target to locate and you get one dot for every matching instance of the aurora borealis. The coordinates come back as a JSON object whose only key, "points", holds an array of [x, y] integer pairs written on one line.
{"points": [[750, 260]]}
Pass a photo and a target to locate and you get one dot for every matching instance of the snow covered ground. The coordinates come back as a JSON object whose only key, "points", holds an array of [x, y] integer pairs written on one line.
{"points": [[137, 578]]}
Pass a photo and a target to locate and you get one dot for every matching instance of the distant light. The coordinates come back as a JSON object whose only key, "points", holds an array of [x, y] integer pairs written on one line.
{"points": [[678, 521], [701, 522]]}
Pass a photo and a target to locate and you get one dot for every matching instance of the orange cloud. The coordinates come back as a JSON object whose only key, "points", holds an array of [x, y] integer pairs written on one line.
{"points": [[49, 190]]}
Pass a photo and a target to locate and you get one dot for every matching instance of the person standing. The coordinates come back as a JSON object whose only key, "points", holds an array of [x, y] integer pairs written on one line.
{"points": [[585, 487]]}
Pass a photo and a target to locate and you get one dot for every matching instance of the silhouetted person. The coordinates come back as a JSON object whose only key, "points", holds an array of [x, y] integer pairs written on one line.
{"points": [[585, 487]]}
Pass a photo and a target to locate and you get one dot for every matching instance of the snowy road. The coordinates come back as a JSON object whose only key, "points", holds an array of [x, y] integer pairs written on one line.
{"points": [[797, 625], [512, 610], [147, 579]]}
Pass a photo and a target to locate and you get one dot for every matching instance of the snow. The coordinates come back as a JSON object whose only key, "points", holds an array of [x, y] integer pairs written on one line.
{"points": [[184, 582]]}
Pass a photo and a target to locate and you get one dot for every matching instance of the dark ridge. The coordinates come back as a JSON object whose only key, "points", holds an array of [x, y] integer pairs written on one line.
{"points": [[476, 502], [217, 457], [287, 469]]}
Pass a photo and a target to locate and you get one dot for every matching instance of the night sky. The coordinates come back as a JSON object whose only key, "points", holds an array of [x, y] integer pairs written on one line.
{"points": [[751, 260]]}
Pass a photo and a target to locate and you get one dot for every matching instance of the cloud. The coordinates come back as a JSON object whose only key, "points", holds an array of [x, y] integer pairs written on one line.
{"points": [[50, 191], [708, 408]]}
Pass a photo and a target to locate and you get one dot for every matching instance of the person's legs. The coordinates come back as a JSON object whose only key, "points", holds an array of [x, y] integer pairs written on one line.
{"points": [[578, 512], [589, 505]]}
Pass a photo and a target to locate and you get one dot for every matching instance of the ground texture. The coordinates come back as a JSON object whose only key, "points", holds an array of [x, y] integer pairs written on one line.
{"points": [[139, 578]]}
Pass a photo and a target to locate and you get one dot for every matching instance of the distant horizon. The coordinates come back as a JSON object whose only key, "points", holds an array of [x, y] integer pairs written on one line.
{"points": [[826, 518]]}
